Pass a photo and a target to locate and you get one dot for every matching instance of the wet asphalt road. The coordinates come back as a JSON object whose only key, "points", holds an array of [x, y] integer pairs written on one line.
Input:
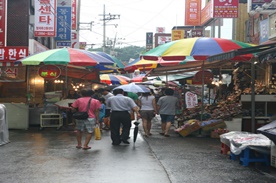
{"points": [[50, 156]]}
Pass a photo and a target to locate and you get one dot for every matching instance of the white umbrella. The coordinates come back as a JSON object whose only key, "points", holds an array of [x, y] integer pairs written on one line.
{"points": [[65, 103], [132, 87]]}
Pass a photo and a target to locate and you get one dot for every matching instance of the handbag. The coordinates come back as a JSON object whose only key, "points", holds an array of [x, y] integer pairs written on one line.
{"points": [[97, 132], [82, 115]]}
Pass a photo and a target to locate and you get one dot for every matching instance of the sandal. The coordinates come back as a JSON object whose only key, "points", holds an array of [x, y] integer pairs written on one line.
{"points": [[161, 133], [166, 135], [86, 148], [78, 147]]}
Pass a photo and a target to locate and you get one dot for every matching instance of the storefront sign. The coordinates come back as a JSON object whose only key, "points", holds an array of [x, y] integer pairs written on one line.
{"points": [[177, 34], [75, 39], [264, 30], [2, 23], [45, 18], [13, 53], [164, 39], [64, 20], [192, 13], [272, 26], [49, 71], [12, 74], [206, 13], [74, 14], [191, 100], [226, 9]]}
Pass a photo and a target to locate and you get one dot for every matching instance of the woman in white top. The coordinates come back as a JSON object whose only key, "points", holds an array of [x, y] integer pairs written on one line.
{"points": [[147, 111]]}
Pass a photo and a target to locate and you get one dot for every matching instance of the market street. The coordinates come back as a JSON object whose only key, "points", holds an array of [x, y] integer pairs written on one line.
{"points": [[50, 156]]}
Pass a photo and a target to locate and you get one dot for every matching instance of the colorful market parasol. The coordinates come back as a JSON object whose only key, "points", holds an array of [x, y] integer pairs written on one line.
{"points": [[200, 48], [146, 65], [67, 56], [139, 78], [119, 65], [114, 79]]}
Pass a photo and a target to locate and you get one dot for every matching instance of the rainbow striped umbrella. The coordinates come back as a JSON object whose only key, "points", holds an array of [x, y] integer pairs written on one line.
{"points": [[105, 70], [145, 65], [114, 79], [200, 48], [67, 56]]}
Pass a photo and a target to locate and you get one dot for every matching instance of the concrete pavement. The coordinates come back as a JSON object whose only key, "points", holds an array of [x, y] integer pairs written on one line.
{"points": [[50, 156]]}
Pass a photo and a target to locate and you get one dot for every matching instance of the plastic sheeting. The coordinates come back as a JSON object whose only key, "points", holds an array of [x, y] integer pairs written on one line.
{"points": [[4, 132], [238, 141]]}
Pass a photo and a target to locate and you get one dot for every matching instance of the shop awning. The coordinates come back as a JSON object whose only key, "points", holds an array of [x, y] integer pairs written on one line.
{"points": [[234, 53]]}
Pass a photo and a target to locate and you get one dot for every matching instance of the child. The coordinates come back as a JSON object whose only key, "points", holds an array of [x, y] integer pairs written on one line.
{"points": [[102, 112]]}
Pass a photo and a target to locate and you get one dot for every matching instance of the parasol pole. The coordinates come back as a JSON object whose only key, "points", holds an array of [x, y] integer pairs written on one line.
{"points": [[66, 81], [202, 93], [252, 95]]}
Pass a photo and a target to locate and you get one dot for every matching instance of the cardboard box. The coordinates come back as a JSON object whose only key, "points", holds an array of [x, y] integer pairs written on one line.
{"points": [[194, 127]]}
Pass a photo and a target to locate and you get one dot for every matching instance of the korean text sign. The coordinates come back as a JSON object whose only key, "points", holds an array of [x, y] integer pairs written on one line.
{"points": [[45, 20]]}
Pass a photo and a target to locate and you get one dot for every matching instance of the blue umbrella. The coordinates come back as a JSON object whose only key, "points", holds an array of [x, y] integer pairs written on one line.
{"points": [[132, 87]]}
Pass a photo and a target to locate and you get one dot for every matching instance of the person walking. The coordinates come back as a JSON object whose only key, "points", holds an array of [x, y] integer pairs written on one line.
{"points": [[148, 111], [166, 107], [120, 106], [102, 112], [86, 124], [106, 94]]}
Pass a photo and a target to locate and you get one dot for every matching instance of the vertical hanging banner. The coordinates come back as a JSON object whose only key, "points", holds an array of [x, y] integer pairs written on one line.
{"points": [[2, 23], [45, 20], [74, 14], [226, 9], [64, 20], [192, 13], [75, 39]]}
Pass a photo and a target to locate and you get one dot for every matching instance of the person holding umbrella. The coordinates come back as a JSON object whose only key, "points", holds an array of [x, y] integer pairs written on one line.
{"points": [[120, 106], [166, 107]]}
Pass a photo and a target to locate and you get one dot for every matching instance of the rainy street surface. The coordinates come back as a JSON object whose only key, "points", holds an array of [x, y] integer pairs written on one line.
{"points": [[49, 155]]}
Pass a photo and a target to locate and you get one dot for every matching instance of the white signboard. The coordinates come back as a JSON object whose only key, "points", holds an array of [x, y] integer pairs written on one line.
{"points": [[45, 20], [191, 100]]}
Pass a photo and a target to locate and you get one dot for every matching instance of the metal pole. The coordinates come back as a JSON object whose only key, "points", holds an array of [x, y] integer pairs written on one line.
{"points": [[252, 96], [202, 94], [104, 28]]}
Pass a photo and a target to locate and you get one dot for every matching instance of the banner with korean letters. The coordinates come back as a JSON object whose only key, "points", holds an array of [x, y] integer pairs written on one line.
{"points": [[45, 18]]}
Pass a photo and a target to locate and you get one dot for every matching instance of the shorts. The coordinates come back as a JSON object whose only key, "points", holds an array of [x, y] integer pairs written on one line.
{"points": [[147, 114], [167, 118], [87, 124]]}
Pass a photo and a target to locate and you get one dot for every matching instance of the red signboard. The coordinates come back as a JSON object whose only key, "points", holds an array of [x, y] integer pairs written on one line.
{"points": [[74, 15], [2, 23], [49, 71], [13, 53], [206, 13], [192, 13], [226, 9]]}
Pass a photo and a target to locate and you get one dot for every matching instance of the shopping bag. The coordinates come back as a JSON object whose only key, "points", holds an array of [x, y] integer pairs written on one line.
{"points": [[106, 122], [132, 116], [97, 132]]}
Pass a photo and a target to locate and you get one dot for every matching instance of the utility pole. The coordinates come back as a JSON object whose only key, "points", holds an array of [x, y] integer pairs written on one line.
{"points": [[106, 18]]}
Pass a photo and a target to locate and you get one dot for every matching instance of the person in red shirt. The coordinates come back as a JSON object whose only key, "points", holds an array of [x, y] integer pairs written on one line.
{"points": [[87, 124]]}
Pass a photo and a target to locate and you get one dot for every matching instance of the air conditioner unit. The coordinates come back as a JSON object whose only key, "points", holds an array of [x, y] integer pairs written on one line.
{"points": [[273, 155]]}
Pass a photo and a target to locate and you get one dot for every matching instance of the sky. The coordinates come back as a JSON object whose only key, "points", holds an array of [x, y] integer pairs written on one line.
{"points": [[136, 18]]}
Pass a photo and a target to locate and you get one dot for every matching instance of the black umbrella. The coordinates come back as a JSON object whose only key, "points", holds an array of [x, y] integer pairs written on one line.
{"points": [[136, 123], [269, 131]]}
